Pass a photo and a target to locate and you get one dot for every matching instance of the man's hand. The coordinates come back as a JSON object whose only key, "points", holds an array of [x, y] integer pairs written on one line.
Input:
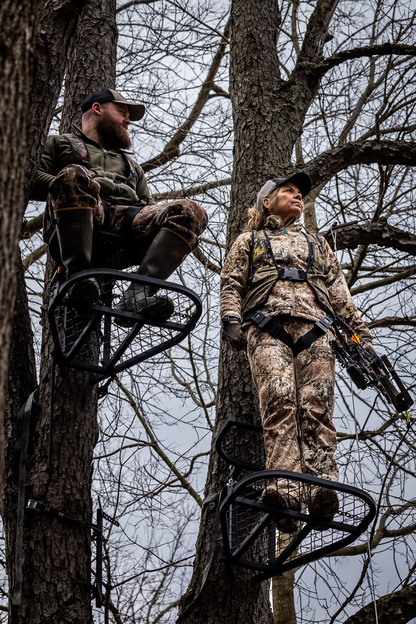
{"points": [[233, 334]]}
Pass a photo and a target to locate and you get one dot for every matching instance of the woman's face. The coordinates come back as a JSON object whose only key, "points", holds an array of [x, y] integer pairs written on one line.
{"points": [[287, 203]]}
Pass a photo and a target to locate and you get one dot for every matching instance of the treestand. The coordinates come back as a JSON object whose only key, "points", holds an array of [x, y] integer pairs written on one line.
{"points": [[249, 525], [95, 338]]}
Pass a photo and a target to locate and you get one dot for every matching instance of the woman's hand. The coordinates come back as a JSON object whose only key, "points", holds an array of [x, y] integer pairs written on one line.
{"points": [[233, 334]]}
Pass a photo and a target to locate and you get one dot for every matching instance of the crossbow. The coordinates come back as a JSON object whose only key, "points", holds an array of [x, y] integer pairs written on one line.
{"points": [[367, 369]]}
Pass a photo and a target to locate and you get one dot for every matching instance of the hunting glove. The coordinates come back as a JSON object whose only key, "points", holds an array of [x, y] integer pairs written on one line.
{"points": [[233, 334]]}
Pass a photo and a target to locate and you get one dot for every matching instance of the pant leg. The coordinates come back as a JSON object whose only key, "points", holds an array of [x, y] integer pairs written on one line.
{"points": [[315, 369], [184, 217], [296, 400], [271, 365]]}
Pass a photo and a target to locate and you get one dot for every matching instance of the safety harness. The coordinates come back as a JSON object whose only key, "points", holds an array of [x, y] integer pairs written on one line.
{"points": [[266, 323]]}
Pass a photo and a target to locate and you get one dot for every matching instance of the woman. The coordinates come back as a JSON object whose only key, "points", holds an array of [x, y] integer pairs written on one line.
{"points": [[280, 289]]}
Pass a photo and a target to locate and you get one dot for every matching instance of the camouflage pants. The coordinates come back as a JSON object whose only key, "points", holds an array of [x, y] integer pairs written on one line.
{"points": [[296, 400], [75, 186]]}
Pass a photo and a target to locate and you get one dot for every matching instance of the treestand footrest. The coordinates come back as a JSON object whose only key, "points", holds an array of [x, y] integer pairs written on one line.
{"points": [[275, 520], [103, 340]]}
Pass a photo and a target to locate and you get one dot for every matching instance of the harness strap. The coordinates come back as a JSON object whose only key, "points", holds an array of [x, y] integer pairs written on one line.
{"points": [[129, 215], [319, 329], [266, 323], [80, 151], [17, 591], [107, 213]]}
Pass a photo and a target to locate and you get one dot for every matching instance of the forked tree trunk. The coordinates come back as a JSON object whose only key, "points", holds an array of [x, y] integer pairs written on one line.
{"points": [[268, 117]]}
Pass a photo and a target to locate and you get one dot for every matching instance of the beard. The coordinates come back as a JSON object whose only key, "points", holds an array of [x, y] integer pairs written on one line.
{"points": [[115, 136]]}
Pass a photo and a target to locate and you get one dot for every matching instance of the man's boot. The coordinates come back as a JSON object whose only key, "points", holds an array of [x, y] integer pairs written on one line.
{"points": [[165, 254], [75, 229]]}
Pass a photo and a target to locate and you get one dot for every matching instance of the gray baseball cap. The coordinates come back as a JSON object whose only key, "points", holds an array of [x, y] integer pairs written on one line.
{"points": [[108, 95], [302, 181]]}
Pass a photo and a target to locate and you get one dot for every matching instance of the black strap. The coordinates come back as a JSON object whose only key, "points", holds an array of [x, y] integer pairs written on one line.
{"points": [[319, 329], [19, 416], [17, 590], [293, 275], [126, 223], [107, 212], [267, 324]]}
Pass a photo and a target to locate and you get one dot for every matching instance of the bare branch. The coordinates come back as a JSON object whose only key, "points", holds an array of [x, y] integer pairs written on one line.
{"points": [[192, 191], [379, 233], [384, 152], [171, 149], [34, 256], [371, 50]]}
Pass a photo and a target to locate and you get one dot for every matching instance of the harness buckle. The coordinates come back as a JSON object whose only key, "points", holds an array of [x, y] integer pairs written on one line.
{"points": [[293, 275], [325, 323], [260, 319]]}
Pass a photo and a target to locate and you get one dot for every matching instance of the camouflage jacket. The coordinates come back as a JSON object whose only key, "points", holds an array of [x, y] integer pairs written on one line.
{"points": [[249, 277], [110, 167]]}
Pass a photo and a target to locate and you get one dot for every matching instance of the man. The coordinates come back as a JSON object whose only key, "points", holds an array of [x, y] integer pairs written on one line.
{"points": [[89, 181]]}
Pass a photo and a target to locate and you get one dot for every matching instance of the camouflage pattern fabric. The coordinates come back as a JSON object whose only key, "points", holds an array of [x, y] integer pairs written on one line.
{"points": [[75, 186], [290, 249], [296, 400]]}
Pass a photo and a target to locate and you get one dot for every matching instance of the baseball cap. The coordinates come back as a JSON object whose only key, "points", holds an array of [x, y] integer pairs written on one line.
{"points": [[108, 95], [301, 179]]}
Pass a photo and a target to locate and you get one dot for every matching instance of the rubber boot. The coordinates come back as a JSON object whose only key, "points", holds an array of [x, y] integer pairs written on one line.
{"points": [[274, 496], [165, 254], [324, 503], [75, 229]]}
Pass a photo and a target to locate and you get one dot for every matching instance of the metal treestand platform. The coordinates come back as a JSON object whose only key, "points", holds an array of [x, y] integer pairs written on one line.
{"points": [[249, 525]]}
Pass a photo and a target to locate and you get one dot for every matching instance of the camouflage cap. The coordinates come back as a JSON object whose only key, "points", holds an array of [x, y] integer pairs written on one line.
{"points": [[108, 95], [302, 181]]}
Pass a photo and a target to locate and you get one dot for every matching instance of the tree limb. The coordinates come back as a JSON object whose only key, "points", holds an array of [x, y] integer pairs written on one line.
{"points": [[396, 608], [379, 233], [371, 50], [192, 191], [171, 149], [384, 152], [388, 321]]}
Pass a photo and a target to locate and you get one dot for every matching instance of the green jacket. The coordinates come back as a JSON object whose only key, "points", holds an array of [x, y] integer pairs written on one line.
{"points": [[110, 168]]}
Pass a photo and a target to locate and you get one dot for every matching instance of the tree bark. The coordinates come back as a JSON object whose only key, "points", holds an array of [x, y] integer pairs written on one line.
{"points": [[396, 608], [16, 58], [57, 20], [57, 553], [92, 59]]}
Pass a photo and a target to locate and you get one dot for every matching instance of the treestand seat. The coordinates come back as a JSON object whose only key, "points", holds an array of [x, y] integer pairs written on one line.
{"points": [[87, 336], [248, 524]]}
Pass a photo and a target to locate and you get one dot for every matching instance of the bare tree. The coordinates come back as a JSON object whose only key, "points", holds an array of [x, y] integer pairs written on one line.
{"points": [[325, 87]]}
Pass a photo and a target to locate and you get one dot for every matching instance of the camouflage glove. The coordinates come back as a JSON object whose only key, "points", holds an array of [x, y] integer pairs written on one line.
{"points": [[232, 333]]}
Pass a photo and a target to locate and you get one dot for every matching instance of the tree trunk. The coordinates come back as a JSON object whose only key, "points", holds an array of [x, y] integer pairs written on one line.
{"points": [[18, 25], [283, 586], [59, 579], [238, 598], [92, 62], [268, 118]]}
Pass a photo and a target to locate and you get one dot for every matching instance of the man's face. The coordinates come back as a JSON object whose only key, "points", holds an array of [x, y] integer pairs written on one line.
{"points": [[112, 125], [287, 203]]}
